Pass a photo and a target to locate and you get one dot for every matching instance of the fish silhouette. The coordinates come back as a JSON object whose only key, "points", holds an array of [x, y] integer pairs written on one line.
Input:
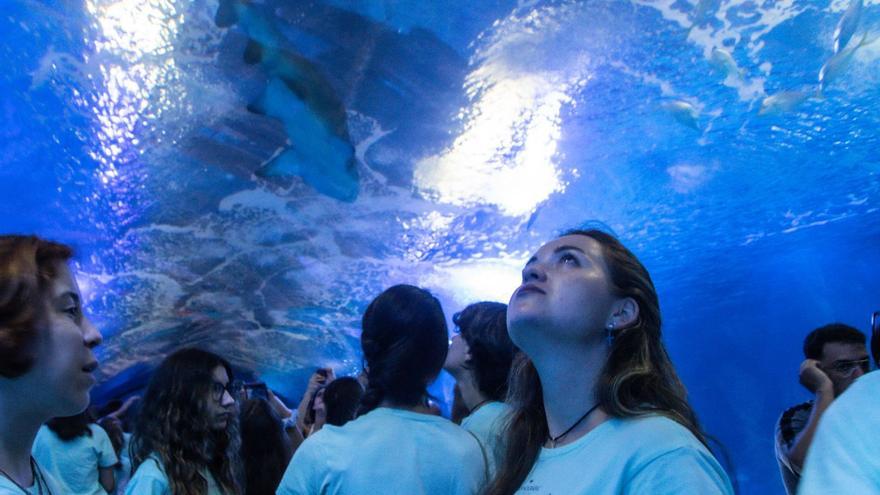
{"points": [[300, 96]]}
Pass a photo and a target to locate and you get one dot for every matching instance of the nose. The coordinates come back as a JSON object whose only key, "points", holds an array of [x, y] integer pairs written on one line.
{"points": [[91, 336], [534, 271], [227, 399]]}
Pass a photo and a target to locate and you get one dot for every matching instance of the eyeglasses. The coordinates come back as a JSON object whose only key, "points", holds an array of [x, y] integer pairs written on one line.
{"points": [[217, 389], [848, 367]]}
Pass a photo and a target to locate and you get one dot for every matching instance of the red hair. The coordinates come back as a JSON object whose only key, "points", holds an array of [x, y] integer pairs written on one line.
{"points": [[27, 268]]}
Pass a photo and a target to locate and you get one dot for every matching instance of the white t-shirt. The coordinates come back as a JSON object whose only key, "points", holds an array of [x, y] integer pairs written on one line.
{"points": [[74, 464], [844, 456], [387, 451], [650, 455], [150, 479], [486, 424], [7, 487]]}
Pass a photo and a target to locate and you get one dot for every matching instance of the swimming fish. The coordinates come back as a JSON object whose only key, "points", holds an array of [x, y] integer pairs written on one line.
{"points": [[724, 61], [683, 112], [847, 25], [302, 98], [838, 63], [323, 159], [784, 101]]}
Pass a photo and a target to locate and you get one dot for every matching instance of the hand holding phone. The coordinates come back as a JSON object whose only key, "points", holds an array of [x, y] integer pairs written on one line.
{"points": [[257, 390]]}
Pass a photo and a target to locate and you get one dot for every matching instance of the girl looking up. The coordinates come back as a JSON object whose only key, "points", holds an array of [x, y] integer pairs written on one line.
{"points": [[597, 407]]}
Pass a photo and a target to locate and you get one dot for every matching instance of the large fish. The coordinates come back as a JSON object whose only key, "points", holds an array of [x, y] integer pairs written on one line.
{"points": [[838, 63], [319, 156], [847, 25], [302, 98]]}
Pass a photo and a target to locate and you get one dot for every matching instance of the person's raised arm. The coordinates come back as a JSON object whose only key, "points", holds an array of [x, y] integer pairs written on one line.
{"points": [[320, 378], [817, 382], [107, 479]]}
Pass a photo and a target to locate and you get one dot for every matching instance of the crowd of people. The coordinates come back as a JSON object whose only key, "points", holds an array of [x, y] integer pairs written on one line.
{"points": [[567, 389]]}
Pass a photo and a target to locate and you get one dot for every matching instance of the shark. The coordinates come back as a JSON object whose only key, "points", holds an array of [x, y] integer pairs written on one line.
{"points": [[301, 97]]}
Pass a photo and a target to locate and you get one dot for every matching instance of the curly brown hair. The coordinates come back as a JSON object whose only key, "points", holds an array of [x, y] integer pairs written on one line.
{"points": [[27, 268], [173, 426]]}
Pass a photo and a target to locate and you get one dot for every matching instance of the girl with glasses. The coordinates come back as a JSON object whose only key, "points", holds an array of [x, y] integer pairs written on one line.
{"points": [[46, 359], [597, 407], [186, 438]]}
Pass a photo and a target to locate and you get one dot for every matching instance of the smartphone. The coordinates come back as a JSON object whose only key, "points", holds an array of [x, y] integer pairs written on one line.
{"points": [[322, 372], [875, 323], [257, 390]]}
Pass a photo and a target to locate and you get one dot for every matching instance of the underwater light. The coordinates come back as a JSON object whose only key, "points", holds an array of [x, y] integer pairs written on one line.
{"points": [[476, 280]]}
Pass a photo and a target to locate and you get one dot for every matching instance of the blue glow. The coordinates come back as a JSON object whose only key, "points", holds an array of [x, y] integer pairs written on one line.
{"points": [[695, 130]]}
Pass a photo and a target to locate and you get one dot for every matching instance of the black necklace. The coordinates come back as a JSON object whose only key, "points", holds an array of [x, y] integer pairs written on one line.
{"points": [[555, 439], [38, 479], [479, 405]]}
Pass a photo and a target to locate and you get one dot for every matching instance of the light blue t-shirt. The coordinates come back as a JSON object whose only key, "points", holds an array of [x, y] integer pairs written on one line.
{"points": [[650, 455], [387, 451], [49, 484], [150, 479], [844, 456], [486, 424], [123, 469], [74, 464]]}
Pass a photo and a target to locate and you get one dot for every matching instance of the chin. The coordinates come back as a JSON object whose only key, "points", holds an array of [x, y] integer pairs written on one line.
{"points": [[71, 404]]}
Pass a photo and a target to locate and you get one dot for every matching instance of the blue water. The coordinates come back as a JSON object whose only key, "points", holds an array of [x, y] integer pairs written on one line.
{"points": [[478, 130]]}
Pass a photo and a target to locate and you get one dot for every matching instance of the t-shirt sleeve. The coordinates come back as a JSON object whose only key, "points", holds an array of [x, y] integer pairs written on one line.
{"points": [[685, 470], [148, 480], [104, 448], [301, 475]]}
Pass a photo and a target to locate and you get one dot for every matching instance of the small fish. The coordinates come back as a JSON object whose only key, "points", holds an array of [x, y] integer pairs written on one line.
{"points": [[838, 63], [725, 62], [783, 102], [683, 112], [847, 25]]}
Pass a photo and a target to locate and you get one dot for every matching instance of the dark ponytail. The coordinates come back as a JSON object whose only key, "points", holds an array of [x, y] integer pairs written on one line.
{"points": [[404, 342]]}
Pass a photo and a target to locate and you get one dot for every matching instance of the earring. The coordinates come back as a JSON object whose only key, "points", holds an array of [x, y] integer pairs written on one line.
{"points": [[609, 333]]}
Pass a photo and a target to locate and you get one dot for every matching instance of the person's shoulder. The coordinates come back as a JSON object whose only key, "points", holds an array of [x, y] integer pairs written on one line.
{"points": [[864, 388], [148, 478], [795, 411], [792, 421], [152, 468], [98, 431], [654, 432]]}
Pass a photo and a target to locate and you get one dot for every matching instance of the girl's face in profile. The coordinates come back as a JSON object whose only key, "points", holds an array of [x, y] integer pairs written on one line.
{"points": [[64, 365], [221, 400]]}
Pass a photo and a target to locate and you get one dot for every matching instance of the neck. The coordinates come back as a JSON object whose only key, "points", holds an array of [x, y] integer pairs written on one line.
{"points": [[568, 380], [18, 428], [470, 393], [419, 408]]}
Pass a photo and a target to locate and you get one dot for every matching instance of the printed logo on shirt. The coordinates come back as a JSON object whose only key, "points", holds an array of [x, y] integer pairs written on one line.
{"points": [[530, 487]]}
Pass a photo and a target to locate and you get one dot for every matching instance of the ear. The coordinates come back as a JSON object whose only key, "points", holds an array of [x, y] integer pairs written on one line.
{"points": [[625, 313]]}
